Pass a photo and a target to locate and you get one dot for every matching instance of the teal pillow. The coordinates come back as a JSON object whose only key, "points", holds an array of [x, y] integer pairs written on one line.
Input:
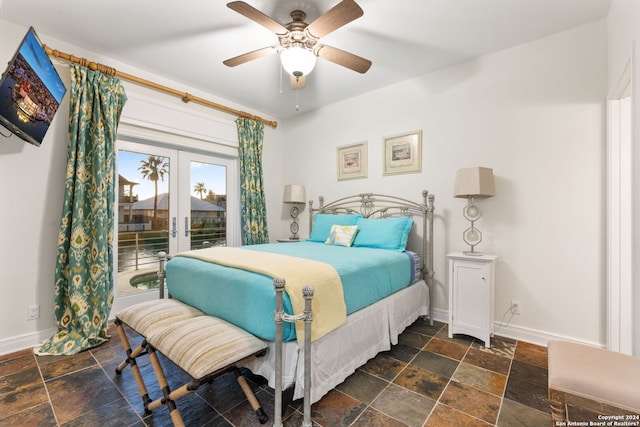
{"points": [[384, 233], [322, 224]]}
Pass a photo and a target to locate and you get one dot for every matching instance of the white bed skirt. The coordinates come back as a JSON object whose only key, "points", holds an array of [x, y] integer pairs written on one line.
{"points": [[337, 355]]}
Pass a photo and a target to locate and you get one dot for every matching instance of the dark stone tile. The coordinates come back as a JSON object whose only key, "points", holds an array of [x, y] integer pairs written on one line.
{"points": [[481, 379], [224, 392], [15, 355], [115, 413], [373, 418], [126, 383], [532, 354], [488, 361], [16, 364], [413, 339], [471, 401], [435, 363], [111, 349], [444, 416], [55, 366], [447, 348], [40, 415], [336, 409], [20, 380], [80, 392], [516, 414], [421, 381], [500, 346], [383, 366], [421, 326], [243, 414], [399, 403], [527, 384], [461, 339], [402, 352], [362, 386], [19, 400]]}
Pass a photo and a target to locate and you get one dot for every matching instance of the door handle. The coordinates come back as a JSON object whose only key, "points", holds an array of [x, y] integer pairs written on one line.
{"points": [[186, 226], [174, 231]]}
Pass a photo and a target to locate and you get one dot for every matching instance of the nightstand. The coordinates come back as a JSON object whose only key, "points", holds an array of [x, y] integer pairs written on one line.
{"points": [[471, 292], [288, 240]]}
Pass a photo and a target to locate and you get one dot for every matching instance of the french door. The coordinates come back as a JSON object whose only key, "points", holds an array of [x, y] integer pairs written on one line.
{"points": [[169, 200]]}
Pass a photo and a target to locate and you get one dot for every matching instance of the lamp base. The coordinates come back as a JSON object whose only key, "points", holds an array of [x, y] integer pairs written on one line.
{"points": [[472, 253]]}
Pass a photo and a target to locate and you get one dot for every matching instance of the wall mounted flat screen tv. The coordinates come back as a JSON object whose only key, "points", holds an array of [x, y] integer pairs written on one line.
{"points": [[30, 91]]}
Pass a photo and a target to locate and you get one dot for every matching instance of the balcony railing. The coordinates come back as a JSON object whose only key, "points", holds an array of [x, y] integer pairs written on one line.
{"points": [[139, 250]]}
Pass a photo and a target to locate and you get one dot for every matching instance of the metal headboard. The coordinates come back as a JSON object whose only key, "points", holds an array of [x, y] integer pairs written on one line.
{"points": [[372, 205]]}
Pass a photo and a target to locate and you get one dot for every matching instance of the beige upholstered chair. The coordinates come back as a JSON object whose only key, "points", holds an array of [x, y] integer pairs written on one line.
{"points": [[588, 383]]}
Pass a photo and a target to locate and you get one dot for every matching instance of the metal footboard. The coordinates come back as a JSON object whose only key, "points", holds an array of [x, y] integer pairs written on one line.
{"points": [[280, 317]]}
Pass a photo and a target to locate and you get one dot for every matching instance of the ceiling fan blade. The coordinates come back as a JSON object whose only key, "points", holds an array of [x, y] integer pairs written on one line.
{"points": [[255, 15], [249, 56], [341, 14], [297, 82], [346, 59]]}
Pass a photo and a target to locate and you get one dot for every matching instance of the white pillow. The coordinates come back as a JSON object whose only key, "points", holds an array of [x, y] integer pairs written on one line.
{"points": [[342, 235]]}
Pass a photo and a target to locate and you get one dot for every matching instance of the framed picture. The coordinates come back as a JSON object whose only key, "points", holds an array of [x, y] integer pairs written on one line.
{"points": [[352, 161], [403, 153]]}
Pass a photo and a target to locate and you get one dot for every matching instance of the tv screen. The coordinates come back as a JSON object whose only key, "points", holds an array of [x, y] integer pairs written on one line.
{"points": [[30, 91]]}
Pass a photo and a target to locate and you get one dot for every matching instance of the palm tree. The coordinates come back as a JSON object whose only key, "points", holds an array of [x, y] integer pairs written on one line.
{"points": [[154, 169], [200, 188]]}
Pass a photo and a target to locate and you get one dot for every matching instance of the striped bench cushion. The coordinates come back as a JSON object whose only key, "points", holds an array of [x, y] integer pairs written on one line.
{"points": [[205, 344], [150, 316]]}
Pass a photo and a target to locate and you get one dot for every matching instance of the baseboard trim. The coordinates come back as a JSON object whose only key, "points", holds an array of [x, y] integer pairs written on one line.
{"points": [[520, 333], [534, 336], [21, 342]]}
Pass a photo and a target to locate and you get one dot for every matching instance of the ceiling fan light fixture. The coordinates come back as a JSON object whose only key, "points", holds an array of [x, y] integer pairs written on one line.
{"points": [[297, 61]]}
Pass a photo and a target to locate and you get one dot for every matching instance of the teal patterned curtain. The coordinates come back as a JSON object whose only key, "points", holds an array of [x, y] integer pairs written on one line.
{"points": [[252, 204], [84, 265]]}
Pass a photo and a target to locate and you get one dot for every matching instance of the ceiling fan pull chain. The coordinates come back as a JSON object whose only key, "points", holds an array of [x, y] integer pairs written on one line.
{"points": [[297, 93]]}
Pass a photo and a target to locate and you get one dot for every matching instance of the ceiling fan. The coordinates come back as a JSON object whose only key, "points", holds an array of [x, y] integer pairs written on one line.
{"points": [[299, 41]]}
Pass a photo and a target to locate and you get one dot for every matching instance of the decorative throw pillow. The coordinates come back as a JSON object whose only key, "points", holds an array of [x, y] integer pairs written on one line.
{"points": [[322, 224], [342, 235]]}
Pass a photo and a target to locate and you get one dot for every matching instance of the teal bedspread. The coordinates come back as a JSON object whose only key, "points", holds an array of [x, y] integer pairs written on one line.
{"points": [[247, 299]]}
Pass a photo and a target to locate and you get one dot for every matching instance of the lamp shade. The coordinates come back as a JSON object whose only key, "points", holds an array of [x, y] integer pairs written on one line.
{"points": [[294, 194], [474, 182], [298, 61]]}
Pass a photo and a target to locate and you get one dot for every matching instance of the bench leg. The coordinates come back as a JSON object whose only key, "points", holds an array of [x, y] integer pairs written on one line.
{"points": [[558, 406], [253, 401], [164, 387], [131, 361]]}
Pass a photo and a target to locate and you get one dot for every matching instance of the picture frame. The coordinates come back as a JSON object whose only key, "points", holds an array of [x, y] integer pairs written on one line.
{"points": [[352, 161], [403, 153]]}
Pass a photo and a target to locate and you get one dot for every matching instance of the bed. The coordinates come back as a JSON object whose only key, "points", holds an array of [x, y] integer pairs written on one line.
{"points": [[381, 247]]}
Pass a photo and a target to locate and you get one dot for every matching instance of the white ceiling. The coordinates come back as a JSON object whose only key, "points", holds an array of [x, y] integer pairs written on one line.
{"points": [[187, 40]]}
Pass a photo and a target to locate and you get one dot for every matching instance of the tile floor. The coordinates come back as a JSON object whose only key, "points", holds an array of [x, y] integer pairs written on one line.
{"points": [[425, 380]]}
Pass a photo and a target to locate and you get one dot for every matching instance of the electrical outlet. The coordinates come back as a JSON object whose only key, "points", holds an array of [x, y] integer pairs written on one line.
{"points": [[515, 307], [33, 312]]}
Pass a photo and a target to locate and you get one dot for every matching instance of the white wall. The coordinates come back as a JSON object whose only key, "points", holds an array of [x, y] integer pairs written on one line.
{"points": [[33, 184], [536, 115], [624, 36]]}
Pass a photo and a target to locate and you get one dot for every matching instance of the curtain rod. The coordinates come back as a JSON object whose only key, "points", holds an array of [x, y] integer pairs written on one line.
{"points": [[186, 97]]}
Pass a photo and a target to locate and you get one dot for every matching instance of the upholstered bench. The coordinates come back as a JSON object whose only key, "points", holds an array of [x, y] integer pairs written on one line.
{"points": [[203, 346], [588, 381], [144, 318]]}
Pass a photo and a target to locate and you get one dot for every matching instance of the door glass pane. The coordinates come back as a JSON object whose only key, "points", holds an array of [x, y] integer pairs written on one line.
{"points": [[143, 219], [208, 214]]}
